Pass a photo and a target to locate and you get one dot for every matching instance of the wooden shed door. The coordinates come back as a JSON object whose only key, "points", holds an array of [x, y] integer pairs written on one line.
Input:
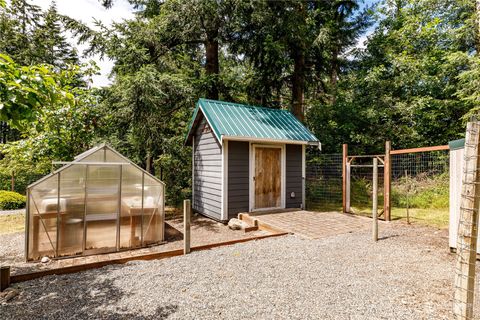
{"points": [[267, 177]]}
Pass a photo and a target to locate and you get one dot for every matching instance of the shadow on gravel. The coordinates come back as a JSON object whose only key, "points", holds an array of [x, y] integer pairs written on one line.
{"points": [[80, 296], [388, 237], [209, 225]]}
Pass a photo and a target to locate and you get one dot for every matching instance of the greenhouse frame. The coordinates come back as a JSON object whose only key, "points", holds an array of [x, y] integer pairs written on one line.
{"points": [[99, 203]]}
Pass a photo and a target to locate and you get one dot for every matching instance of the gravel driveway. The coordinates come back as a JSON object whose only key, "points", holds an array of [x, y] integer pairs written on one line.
{"points": [[406, 275]]}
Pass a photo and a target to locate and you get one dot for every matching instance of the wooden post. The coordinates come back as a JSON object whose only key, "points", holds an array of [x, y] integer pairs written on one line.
{"points": [[348, 188], [344, 178], [375, 200], [12, 183], [468, 226], [4, 278], [187, 211], [387, 182]]}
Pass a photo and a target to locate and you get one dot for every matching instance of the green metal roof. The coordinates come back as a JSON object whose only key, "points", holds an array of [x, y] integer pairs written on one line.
{"points": [[229, 119]]}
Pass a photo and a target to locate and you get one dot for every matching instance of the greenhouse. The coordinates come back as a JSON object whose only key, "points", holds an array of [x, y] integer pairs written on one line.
{"points": [[100, 202]]}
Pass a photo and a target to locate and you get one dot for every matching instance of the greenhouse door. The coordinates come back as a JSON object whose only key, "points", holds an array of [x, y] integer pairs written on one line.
{"points": [[102, 208]]}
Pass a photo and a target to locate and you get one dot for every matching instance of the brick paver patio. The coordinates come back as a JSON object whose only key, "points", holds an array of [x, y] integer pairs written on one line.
{"points": [[314, 225]]}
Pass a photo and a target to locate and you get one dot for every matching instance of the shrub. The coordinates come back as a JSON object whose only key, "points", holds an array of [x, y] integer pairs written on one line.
{"points": [[423, 192], [10, 200]]}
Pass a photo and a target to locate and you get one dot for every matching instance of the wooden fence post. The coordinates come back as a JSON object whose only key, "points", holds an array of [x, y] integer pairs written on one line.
{"points": [[468, 226], [375, 200], [348, 188], [387, 181], [4, 278], [344, 177], [187, 211]]}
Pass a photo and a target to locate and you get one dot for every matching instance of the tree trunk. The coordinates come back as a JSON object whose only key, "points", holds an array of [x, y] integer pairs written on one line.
{"points": [[148, 164], [212, 68], [298, 83], [334, 75]]}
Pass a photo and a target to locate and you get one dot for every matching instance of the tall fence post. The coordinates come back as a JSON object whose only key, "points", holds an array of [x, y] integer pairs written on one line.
{"points": [[375, 200], [468, 226], [344, 177], [187, 210], [387, 181], [348, 188]]}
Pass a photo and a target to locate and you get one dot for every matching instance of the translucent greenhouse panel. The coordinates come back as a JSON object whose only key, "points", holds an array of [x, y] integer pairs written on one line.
{"points": [[97, 156], [111, 156], [42, 226], [102, 211], [152, 211], [130, 221], [72, 193]]}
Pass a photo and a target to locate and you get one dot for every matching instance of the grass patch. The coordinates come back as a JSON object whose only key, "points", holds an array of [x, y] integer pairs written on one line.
{"points": [[432, 217], [12, 223]]}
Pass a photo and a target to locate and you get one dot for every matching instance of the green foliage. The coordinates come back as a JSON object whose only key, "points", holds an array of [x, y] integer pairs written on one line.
{"points": [[414, 82], [423, 192], [65, 126], [10, 200], [25, 91], [405, 85]]}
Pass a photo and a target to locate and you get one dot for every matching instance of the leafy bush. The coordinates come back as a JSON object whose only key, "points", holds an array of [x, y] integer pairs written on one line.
{"points": [[423, 192], [11, 200]]}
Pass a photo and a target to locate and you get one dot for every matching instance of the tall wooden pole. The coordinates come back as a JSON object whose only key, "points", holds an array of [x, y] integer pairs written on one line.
{"points": [[375, 200], [468, 226], [187, 210], [387, 182], [344, 178]]}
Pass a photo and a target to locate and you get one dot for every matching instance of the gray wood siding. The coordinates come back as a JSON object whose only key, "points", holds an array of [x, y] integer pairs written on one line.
{"points": [[293, 175], [238, 171], [207, 174]]}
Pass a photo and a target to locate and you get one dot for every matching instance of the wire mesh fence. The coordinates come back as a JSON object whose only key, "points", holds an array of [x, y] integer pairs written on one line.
{"points": [[324, 182], [361, 186], [420, 185]]}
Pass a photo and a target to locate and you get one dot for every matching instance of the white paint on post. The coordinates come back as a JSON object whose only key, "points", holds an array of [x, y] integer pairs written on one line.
{"points": [[187, 210], [375, 200]]}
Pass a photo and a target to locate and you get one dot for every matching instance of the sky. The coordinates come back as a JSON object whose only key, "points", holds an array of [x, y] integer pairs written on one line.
{"points": [[88, 10]]}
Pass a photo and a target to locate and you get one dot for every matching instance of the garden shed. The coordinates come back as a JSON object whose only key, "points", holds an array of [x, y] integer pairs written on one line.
{"points": [[100, 202], [457, 153], [246, 158]]}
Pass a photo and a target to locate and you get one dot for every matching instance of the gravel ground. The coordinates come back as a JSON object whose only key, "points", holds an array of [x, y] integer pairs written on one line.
{"points": [[8, 212], [203, 231], [406, 275]]}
